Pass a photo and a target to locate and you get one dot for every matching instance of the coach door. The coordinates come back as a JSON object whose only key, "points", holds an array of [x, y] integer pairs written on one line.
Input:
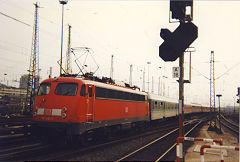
{"points": [[90, 100]]}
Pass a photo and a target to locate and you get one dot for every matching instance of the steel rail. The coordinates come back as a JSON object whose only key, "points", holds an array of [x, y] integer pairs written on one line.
{"points": [[154, 141], [230, 122], [231, 128], [13, 153], [166, 152]]}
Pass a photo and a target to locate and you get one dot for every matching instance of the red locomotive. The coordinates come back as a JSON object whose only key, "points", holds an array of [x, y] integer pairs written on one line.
{"points": [[78, 105]]}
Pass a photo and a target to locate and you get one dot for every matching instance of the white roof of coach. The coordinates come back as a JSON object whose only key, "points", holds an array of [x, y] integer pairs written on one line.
{"points": [[162, 98]]}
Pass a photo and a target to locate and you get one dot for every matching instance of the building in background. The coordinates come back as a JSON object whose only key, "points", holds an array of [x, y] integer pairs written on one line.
{"points": [[24, 81]]}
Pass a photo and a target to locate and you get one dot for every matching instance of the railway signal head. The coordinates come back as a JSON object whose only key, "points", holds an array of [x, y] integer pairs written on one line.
{"points": [[175, 43], [178, 9]]}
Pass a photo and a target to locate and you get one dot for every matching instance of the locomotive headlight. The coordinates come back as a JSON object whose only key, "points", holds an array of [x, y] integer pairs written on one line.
{"points": [[35, 111], [64, 115], [64, 111]]}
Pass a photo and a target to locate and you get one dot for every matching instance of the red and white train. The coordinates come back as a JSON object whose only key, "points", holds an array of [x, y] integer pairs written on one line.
{"points": [[76, 105]]}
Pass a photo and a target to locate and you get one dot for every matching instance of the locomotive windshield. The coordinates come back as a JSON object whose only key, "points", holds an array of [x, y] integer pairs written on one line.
{"points": [[66, 89], [44, 89]]}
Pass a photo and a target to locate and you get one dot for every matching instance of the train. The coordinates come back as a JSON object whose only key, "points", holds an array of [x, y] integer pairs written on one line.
{"points": [[75, 106]]}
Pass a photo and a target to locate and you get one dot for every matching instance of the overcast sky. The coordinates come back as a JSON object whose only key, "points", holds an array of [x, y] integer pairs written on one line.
{"points": [[130, 31]]}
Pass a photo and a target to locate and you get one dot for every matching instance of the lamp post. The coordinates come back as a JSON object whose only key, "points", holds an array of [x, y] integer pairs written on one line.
{"points": [[234, 104], [62, 2], [219, 113], [159, 82], [148, 75], [143, 88], [164, 77]]}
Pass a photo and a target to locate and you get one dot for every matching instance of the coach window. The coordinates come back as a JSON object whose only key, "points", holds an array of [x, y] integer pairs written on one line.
{"points": [[89, 91], [83, 90]]}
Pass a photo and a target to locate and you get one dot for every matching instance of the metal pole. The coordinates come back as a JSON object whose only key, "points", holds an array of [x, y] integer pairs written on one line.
{"points": [[219, 115], [111, 69], [68, 59], [238, 94], [143, 89], [130, 76], [159, 85], [181, 103], [50, 72], [148, 75], [152, 85], [148, 78], [233, 105], [61, 42], [210, 96], [164, 79]]}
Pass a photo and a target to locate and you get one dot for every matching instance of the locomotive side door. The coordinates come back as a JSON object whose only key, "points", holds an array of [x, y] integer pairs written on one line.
{"points": [[90, 103]]}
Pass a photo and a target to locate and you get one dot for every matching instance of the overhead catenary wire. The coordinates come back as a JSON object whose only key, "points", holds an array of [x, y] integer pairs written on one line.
{"points": [[200, 73], [14, 19], [231, 68]]}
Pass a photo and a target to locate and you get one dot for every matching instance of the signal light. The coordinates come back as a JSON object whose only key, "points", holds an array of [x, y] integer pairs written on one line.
{"points": [[178, 9], [175, 43], [237, 100]]}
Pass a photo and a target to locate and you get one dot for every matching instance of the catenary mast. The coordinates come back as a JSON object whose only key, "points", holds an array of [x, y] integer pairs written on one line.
{"points": [[33, 76]]}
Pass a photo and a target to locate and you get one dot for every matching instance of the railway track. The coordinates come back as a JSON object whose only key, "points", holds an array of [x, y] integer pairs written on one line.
{"points": [[13, 120], [231, 125], [14, 126], [21, 151], [18, 147], [154, 151]]}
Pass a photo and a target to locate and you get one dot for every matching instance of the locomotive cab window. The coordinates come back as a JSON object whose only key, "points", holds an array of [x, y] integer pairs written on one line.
{"points": [[44, 89], [66, 89]]}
